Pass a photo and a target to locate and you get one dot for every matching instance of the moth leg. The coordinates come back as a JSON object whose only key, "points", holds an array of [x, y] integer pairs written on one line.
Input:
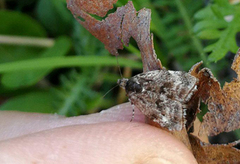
{"points": [[133, 112]]}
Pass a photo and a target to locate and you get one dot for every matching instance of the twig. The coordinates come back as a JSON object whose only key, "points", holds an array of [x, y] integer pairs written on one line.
{"points": [[28, 41], [2, 4]]}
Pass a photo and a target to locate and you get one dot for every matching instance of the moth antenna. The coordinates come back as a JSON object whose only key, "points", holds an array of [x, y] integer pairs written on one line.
{"points": [[133, 112], [109, 91], [119, 69]]}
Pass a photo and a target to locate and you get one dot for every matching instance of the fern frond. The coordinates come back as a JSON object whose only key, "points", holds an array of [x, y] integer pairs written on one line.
{"points": [[76, 96]]}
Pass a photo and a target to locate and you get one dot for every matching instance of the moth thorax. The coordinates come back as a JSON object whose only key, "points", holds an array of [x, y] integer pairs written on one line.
{"points": [[133, 85]]}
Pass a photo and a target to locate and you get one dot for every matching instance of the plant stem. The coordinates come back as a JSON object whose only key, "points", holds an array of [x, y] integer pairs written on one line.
{"points": [[2, 4], [196, 41], [27, 41]]}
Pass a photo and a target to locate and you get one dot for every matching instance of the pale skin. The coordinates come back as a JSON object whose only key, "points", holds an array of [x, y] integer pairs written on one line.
{"points": [[103, 138]]}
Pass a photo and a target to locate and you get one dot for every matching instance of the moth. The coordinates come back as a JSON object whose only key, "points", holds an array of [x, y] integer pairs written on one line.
{"points": [[164, 96]]}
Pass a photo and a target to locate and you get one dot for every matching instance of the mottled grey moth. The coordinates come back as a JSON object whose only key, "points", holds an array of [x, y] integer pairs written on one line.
{"points": [[162, 95]]}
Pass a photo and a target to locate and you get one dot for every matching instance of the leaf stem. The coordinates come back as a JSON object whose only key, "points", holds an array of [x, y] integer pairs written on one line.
{"points": [[28, 41]]}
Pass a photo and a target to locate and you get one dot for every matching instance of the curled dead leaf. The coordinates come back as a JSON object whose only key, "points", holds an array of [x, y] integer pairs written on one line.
{"points": [[116, 30], [223, 104], [214, 154]]}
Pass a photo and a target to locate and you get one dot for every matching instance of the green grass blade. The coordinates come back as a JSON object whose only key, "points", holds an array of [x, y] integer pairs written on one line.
{"points": [[71, 61]]}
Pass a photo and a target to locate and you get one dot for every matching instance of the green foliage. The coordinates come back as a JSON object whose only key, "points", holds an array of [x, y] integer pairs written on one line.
{"points": [[37, 101], [30, 77], [55, 17], [16, 23], [219, 22]]}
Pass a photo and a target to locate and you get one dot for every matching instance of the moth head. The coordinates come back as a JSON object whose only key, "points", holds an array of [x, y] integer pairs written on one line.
{"points": [[122, 82], [130, 85]]}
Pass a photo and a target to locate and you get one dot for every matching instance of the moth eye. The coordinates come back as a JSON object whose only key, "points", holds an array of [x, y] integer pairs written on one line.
{"points": [[132, 86]]}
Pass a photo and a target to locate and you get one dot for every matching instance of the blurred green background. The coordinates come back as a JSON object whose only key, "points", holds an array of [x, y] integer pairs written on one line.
{"points": [[50, 64]]}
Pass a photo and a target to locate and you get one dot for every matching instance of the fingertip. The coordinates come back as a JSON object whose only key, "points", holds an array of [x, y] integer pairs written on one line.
{"points": [[16, 124], [113, 142]]}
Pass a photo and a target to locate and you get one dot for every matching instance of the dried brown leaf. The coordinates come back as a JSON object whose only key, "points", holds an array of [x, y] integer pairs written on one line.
{"points": [[223, 104], [197, 125], [116, 30], [214, 154]]}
